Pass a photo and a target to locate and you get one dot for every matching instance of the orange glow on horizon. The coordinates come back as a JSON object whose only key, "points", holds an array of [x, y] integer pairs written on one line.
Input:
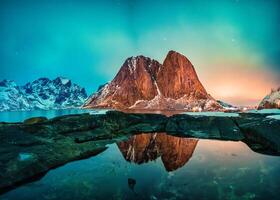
{"points": [[239, 86]]}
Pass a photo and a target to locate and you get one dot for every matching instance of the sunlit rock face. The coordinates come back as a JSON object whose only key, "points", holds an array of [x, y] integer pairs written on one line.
{"points": [[143, 83], [174, 151], [272, 100], [135, 80], [181, 80]]}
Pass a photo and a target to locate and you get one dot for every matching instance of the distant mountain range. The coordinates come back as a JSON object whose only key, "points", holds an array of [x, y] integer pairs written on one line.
{"points": [[144, 83], [42, 93], [141, 83]]}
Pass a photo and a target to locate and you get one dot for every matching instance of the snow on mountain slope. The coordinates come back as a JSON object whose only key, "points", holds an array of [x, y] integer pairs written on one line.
{"points": [[11, 97], [42, 93], [271, 101]]}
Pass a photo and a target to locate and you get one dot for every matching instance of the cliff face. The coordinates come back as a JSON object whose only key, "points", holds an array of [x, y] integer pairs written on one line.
{"points": [[178, 78], [174, 151], [135, 80], [143, 83]]}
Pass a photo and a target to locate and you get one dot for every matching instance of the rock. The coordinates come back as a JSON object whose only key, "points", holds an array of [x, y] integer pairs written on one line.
{"points": [[147, 84], [209, 127], [29, 150], [177, 78], [131, 183], [272, 100], [135, 79], [261, 134], [35, 120]]}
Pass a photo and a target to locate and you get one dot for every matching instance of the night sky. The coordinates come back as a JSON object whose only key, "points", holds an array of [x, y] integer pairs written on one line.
{"points": [[233, 44]]}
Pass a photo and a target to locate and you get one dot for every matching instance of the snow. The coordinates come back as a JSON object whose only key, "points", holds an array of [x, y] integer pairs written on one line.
{"points": [[64, 80], [132, 65], [154, 102], [98, 112], [274, 117], [105, 91], [158, 91], [214, 114], [40, 94], [136, 102]]}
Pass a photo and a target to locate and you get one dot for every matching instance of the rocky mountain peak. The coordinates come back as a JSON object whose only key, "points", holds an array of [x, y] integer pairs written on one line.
{"points": [[62, 81], [144, 83], [271, 100], [175, 57], [7, 83], [139, 64], [182, 79]]}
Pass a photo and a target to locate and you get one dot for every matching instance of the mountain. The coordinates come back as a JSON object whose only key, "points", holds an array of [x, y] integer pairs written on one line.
{"points": [[42, 93], [12, 97], [227, 106], [272, 100], [144, 83], [174, 151]]}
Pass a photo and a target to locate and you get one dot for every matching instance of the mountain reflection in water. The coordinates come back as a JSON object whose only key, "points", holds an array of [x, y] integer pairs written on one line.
{"points": [[174, 151], [161, 166]]}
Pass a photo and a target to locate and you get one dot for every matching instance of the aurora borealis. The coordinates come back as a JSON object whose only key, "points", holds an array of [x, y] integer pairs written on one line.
{"points": [[233, 44]]}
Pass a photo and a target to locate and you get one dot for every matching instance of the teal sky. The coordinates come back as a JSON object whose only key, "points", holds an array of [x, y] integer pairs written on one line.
{"points": [[233, 44]]}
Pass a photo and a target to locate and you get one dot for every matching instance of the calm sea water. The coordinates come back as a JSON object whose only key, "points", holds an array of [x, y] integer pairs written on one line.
{"points": [[158, 166], [19, 116]]}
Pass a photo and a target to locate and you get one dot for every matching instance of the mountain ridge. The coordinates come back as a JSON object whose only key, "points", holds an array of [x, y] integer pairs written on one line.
{"points": [[144, 83], [41, 93]]}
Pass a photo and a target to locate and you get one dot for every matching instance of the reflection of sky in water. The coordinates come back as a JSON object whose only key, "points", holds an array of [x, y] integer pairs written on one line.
{"points": [[219, 169]]}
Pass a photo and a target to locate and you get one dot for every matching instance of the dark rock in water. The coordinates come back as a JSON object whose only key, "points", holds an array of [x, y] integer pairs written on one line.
{"points": [[261, 134], [204, 127], [35, 120], [28, 150], [131, 183]]}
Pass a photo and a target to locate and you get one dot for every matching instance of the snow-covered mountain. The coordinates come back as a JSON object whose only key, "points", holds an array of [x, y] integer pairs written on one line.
{"points": [[42, 93], [271, 101], [227, 106], [144, 83]]}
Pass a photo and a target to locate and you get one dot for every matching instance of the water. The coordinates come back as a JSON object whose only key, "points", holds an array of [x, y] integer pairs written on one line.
{"points": [[159, 166], [217, 114], [19, 116]]}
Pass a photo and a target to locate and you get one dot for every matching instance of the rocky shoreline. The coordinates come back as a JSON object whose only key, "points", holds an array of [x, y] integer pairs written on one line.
{"points": [[32, 148]]}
